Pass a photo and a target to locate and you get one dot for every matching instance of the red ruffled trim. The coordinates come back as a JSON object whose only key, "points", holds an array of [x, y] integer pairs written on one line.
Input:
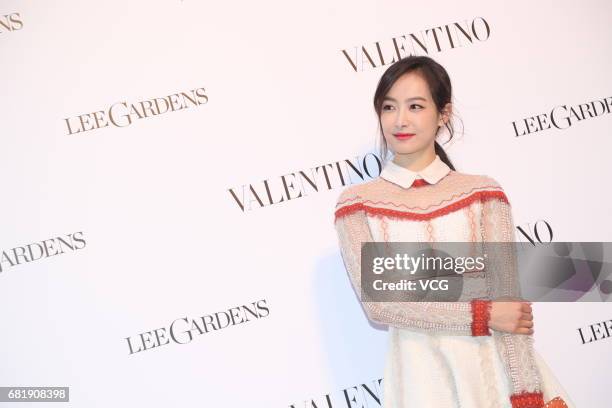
{"points": [[480, 195], [527, 400], [556, 402], [481, 313]]}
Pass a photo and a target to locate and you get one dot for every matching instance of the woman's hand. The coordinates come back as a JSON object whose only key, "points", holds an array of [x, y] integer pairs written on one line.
{"points": [[511, 316]]}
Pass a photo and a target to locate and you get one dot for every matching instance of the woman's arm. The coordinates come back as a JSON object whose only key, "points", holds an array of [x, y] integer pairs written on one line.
{"points": [[516, 349], [457, 318]]}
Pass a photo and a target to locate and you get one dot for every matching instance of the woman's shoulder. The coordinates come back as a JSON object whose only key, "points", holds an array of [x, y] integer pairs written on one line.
{"points": [[477, 181], [359, 192], [480, 186]]}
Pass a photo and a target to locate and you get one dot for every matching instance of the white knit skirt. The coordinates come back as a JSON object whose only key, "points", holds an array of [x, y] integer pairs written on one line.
{"points": [[441, 371]]}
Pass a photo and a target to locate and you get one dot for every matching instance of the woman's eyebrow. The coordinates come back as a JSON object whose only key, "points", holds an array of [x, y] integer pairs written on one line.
{"points": [[414, 98]]}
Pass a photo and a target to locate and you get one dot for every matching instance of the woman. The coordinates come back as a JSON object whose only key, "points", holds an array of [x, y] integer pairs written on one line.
{"points": [[469, 354]]}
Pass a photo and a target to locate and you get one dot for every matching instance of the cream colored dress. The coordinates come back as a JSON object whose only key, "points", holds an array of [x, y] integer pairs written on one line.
{"points": [[434, 360]]}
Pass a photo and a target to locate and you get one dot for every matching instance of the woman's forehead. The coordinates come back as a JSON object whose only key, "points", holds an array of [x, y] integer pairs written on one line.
{"points": [[409, 85]]}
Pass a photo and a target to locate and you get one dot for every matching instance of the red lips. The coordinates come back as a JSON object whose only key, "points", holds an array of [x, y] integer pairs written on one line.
{"points": [[402, 136]]}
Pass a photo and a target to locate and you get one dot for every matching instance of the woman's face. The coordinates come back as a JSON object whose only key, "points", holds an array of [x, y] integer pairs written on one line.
{"points": [[408, 108]]}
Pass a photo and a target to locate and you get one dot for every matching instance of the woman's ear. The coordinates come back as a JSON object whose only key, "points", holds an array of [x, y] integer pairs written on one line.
{"points": [[446, 113]]}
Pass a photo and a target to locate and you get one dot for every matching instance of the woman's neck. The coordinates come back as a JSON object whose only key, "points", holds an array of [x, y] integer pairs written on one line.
{"points": [[415, 161]]}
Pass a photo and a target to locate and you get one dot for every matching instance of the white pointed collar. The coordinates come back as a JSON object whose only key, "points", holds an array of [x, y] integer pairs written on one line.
{"points": [[396, 174]]}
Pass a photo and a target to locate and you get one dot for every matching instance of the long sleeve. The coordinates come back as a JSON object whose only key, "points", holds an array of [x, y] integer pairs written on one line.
{"points": [[516, 349], [456, 318]]}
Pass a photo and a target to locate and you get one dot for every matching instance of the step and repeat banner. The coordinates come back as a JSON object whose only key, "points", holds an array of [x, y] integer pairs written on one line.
{"points": [[170, 169]]}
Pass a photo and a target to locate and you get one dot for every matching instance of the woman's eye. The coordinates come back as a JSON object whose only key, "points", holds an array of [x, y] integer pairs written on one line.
{"points": [[387, 107]]}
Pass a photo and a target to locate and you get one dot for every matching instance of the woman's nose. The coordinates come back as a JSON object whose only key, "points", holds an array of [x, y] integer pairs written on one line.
{"points": [[401, 120]]}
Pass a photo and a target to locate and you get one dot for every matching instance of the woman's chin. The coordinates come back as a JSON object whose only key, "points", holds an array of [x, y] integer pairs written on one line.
{"points": [[405, 150]]}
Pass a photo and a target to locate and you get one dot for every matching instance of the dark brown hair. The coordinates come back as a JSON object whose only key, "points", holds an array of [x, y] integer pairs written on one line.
{"points": [[440, 87]]}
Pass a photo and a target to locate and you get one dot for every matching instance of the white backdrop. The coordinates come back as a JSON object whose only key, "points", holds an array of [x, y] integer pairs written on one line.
{"points": [[163, 237]]}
